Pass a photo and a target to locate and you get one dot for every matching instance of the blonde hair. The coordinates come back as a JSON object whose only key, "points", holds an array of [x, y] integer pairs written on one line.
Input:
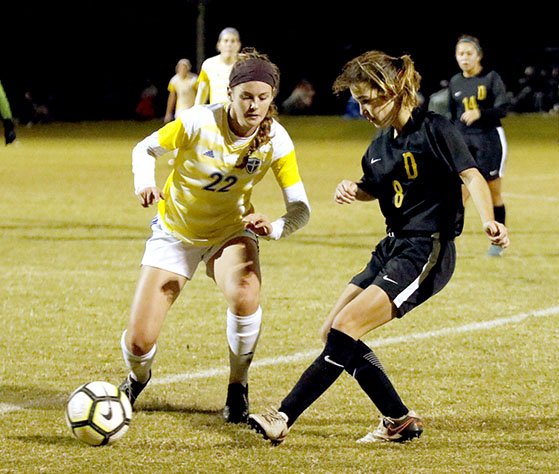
{"points": [[263, 133], [393, 77]]}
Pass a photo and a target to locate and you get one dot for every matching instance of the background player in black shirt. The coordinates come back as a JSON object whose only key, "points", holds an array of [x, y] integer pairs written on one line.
{"points": [[478, 102], [415, 168]]}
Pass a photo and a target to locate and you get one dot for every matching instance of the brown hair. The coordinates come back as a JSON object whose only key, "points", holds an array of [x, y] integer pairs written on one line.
{"points": [[263, 134], [391, 76]]}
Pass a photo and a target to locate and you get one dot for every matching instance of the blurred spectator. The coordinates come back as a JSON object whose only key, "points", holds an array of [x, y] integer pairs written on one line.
{"points": [[300, 101], [553, 90], [182, 90], [145, 110], [6, 114], [352, 109], [33, 111], [530, 91], [439, 101]]}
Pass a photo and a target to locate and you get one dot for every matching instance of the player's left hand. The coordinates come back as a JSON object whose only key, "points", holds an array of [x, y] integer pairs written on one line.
{"points": [[258, 223], [497, 233]]}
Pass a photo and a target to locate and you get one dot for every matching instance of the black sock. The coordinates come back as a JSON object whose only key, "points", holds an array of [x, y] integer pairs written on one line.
{"points": [[322, 373], [369, 373], [500, 214]]}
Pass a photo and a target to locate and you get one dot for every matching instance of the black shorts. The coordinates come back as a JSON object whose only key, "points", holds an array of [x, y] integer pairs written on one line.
{"points": [[489, 151], [410, 270]]}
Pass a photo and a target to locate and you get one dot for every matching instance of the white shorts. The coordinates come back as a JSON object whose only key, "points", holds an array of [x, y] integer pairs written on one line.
{"points": [[169, 253]]}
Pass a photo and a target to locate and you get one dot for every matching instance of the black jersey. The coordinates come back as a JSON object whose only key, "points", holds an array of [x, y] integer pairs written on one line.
{"points": [[485, 92], [415, 176]]}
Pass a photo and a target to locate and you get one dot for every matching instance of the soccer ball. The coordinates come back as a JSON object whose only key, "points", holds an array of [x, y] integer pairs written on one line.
{"points": [[98, 413]]}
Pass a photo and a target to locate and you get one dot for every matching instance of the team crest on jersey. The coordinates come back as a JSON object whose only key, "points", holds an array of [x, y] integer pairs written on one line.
{"points": [[253, 164]]}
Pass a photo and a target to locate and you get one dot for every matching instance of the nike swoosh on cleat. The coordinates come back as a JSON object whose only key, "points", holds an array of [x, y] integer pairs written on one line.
{"points": [[330, 361], [393, 432]]}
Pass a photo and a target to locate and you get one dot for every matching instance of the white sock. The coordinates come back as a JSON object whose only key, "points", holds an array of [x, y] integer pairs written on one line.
{"points": [[242, 335], [140, 366]]}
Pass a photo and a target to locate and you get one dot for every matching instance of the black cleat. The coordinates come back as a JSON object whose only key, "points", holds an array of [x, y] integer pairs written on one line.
{"points": [[236, 406], [132, 388]]}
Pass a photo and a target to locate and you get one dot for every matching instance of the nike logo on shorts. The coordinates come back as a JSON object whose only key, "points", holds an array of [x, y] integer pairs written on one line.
{"points": [[389, 279], [330, 361]]}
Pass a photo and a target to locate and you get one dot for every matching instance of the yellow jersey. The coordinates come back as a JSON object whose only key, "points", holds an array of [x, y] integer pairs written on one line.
{"points": [[206, 196], [185, 88], [214, 74]]}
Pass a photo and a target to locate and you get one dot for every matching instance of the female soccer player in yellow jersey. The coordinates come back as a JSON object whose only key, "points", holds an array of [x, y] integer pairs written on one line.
{"points": [[205, 214], [214, 73]]}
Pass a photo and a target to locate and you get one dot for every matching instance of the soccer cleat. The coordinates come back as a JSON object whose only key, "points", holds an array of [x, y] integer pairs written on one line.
{"points": [[495, 251], [236, 406], [272, 425], [398, 430], [132, 388]]}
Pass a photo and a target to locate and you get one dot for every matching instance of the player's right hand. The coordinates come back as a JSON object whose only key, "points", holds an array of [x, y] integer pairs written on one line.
{"points": [[346, 192], [497, 233], [148, 196]]}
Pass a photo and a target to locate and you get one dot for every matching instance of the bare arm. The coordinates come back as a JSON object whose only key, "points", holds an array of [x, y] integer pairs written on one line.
{"points": [[171, 102], [481, 196]]}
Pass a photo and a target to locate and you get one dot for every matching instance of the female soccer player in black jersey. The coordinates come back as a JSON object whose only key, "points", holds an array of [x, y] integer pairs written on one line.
{"points": [[415, 168], [478, 102]]}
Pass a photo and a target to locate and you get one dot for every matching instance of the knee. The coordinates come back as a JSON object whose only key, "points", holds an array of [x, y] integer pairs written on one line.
{"points": [[244, 299]]}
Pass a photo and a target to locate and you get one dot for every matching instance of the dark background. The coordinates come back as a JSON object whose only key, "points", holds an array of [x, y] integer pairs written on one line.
{"points": [[89, 60]]}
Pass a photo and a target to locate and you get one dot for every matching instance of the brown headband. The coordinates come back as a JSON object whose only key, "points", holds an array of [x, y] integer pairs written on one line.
{"points": [[253, 69]]}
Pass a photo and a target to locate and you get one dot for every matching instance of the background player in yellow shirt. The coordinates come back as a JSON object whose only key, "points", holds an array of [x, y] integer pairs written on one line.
{"points": [[182, 90], [205, 214], [214, 73]]}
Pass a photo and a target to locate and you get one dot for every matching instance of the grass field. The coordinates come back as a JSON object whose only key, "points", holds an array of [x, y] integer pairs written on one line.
{"points": [[478, 362]]}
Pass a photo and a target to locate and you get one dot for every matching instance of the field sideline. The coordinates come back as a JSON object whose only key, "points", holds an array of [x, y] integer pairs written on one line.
{"points": [[477, 362]]}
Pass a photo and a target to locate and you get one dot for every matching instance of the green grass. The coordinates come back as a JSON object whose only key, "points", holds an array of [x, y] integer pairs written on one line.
{"points": [[71, 239]]}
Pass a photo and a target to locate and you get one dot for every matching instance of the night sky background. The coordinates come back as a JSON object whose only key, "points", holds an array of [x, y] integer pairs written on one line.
{"points": [[90, 60]]}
